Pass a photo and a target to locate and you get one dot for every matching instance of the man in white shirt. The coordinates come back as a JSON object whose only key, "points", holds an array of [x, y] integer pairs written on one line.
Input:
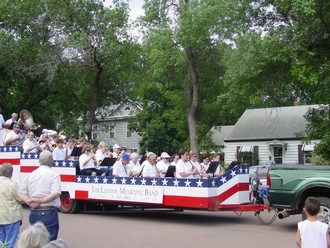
{"points": [[122, 167], [14, 137], [41, 191], [30, 144], [116, 150], [150, 169], [10, 122]]}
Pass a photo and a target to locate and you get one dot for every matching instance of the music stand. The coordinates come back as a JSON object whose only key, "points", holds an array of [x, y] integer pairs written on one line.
{"points": [[212, 168], [170, 171], [108, 162], [76, 152]]}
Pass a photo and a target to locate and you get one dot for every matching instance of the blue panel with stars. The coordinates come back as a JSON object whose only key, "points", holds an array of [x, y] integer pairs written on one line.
{"points": [[174, 182]]}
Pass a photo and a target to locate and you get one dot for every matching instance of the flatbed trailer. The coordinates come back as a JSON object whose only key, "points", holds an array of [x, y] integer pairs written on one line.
{"points": [[229, 192]]}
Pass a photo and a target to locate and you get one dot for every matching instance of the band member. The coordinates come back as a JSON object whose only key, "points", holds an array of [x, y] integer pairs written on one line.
{"points": [[88, 163], [44, 142], [183, 168], [59, 151], [25, 119], [149, 169], [163, 164], [10, 122], [135, 165], [14, 137], [101, 152], [30, 144], [69, 149], [116, 150], [122, 167]]}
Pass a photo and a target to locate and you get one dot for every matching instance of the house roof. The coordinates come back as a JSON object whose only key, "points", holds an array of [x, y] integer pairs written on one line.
{"points": [[270, 123], [219, 134]]}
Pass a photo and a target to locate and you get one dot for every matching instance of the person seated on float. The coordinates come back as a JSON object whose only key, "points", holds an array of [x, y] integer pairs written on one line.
{"points": [[135, 165], [183, 168], [10, 122], [88, 163], [149, 169], [59, 151], [204, 162], [163, 164], [69, 148], [44, 142], [174, 159], [14, 137], [215, 158], [122, 167], [102, 152], [30, 144]]}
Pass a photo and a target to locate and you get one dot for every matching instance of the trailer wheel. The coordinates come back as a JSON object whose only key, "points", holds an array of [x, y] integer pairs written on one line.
{"points": [[324, 215], [68, 205]]}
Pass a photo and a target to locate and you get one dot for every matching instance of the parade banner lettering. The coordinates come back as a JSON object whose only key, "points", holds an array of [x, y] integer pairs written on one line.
{"points": [[132, 193]]}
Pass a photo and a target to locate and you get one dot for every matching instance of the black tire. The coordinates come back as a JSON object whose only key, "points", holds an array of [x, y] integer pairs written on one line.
{"points": [[324, 215], [68, 205]]}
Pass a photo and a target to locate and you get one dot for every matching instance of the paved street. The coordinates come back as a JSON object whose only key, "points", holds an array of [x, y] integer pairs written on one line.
{"points": [[174, 229]]}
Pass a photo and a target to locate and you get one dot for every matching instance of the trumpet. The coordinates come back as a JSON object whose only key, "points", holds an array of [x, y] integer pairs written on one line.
{"points": [[41, 142]]}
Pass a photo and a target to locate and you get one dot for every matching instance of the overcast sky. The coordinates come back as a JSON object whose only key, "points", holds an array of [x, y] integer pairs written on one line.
{"points": [[135, 6]]}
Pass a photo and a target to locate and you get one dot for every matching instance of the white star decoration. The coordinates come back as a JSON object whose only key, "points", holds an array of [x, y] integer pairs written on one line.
{"points": [[199, 183], [29, 155], [233, 173], [71, 164], [213, 183], [164, 182], [133, 180], [240, 170], [154, 182], [223, 179], [96, 180], [105, 180], [16, 149], [176, 182], [63, 163], [114, 180], [143, 181], [123, 180], [23, 155], [187, 183], [79, 179], [5, 149], [10, 148], [87, 179], [36, 155], [56, 163]]}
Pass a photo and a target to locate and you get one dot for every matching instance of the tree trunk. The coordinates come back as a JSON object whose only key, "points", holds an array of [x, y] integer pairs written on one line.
{"points": [[193, 99], [95, 94]]}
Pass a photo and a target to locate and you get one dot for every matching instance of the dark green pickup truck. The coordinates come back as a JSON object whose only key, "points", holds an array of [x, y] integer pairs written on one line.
{"points": [[290, 185]]}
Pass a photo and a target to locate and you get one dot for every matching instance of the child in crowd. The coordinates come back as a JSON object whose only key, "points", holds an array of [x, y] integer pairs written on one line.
{"points": [[255, 187], [312, 232]]}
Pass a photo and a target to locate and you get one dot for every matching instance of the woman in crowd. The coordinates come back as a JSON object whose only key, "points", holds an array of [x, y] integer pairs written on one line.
{"points": [[88, 163], [135, 170], [183, 168]]}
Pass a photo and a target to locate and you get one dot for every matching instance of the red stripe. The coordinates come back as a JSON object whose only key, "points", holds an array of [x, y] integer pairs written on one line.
{"points": [[231, 191], [81, 195], [13, 161], [68, 178], [28, 168], [185, 201]]}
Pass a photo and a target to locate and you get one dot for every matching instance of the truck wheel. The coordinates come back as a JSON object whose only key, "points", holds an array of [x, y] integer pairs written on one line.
{"points": [[68, 205], [324, 215]]}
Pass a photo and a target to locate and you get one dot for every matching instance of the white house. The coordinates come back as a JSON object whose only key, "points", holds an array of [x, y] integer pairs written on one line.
{"points": [[269, 131], [111, 126]]}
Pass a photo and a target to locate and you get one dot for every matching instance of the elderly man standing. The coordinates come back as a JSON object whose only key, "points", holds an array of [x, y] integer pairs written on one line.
{"points": [[41, 191], [11, 208]]}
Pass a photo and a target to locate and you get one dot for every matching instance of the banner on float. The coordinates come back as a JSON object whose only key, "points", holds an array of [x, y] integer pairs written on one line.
{"points": [[130, 193]]}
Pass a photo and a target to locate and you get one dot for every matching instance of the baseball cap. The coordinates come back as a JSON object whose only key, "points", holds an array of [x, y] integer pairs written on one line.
{"points": [[126, 157], [116, 146]]}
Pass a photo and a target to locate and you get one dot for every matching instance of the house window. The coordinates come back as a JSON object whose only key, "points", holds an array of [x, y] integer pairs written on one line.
{"points": [[111, 131], [128, 132], [307, 157], [278, 154], [94, 132]]}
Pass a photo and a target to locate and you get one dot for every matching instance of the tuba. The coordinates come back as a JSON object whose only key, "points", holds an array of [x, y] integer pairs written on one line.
{"points": [[25, 119], [84, 136]]}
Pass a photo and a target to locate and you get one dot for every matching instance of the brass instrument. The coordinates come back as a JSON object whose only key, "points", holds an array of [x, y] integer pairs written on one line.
{"points": [[41, 142], [62, 135], [84, 136], [25, 119]]}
